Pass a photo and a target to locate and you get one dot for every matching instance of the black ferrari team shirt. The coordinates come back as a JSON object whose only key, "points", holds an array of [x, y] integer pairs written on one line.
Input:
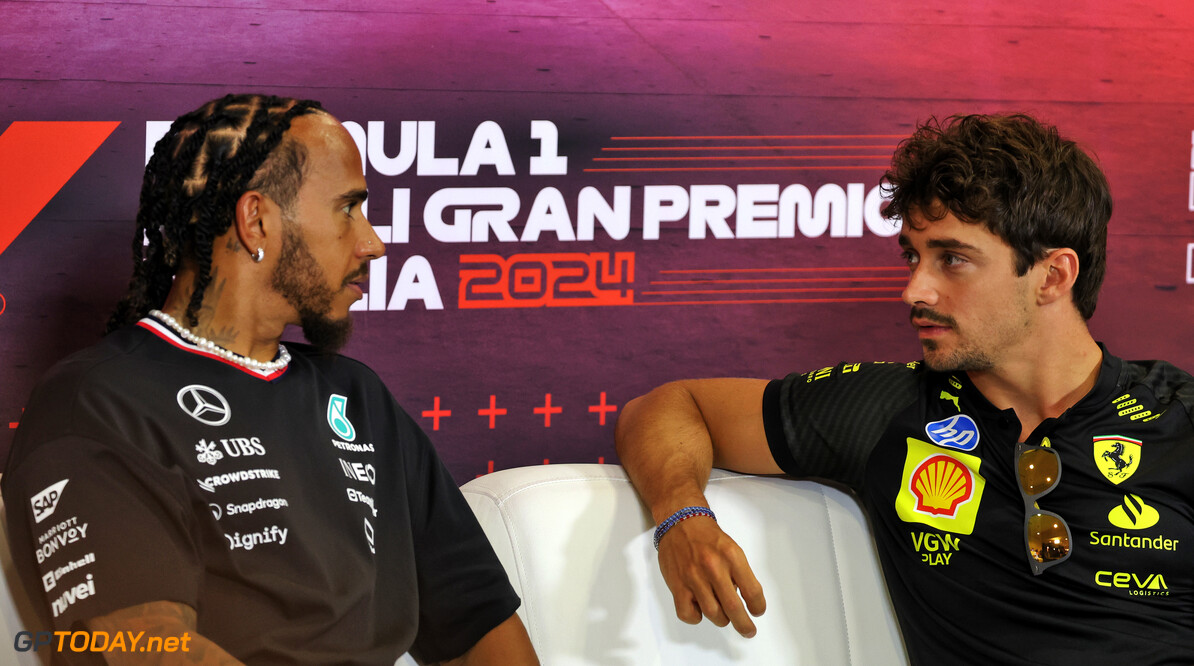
{"points": [[934, 464]]}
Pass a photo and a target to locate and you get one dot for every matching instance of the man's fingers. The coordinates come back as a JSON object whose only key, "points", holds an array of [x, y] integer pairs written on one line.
{"points": [[711, 607], [687, 609], [733, 608], [749, 587]]}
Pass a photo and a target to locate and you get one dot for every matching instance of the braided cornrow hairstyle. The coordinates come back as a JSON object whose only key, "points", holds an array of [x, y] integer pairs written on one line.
{"points": [[199, 169]]}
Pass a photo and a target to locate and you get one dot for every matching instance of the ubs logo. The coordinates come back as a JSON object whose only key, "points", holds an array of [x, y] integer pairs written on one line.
{"points": [[204, 404]]}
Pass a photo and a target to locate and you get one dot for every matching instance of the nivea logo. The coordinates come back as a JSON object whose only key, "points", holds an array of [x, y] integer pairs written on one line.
{"points": [[957, 432]]}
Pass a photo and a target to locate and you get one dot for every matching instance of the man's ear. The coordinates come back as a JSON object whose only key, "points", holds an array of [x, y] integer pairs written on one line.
{"points": [[251, 227], [1060, 268]]}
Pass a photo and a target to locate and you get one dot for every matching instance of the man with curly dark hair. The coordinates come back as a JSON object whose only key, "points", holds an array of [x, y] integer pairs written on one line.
{"points": [[192, 478], [1004, 229]]}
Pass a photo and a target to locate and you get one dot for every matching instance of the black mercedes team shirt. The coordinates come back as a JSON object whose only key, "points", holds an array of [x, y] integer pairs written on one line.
{"points": [[301, 512], [933, 462]]}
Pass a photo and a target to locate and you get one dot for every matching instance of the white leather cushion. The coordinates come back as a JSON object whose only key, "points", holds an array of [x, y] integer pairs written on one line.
{"points": [[576, 542]]}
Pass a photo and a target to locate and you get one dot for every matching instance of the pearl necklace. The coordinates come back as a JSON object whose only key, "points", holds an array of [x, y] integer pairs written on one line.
{"points": [[211, 347]]}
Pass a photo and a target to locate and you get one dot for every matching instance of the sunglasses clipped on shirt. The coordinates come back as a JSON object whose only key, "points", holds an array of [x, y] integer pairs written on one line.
{"points": [[1046, 534]]}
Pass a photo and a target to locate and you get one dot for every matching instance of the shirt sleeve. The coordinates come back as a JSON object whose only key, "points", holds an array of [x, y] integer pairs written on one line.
{"points": [[464, 591], [825, 423], [93, 530]]}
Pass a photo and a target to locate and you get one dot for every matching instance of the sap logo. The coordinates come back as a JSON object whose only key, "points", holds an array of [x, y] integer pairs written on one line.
{"points": [[338, 418], [957, 432], [358, 472], [1150, 585], [69, 597], [46, 501]]}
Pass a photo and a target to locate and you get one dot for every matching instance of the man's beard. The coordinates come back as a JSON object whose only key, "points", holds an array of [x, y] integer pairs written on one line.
{"points": [[300, 280], [961, 359]]}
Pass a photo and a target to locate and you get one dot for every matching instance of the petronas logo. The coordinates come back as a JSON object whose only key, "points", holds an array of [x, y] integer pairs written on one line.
{"points": [[1133, 514]]}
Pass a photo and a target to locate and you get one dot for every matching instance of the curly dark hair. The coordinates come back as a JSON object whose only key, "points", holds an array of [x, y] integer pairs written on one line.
{"points": [[1016, 176], [199, 169]]}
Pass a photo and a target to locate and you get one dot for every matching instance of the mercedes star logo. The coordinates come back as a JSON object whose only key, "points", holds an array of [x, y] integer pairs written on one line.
{"points": [[204, 404]]}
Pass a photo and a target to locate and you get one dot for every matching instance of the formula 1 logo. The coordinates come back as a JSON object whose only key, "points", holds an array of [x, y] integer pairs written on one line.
{"points": [[36, 160], [204, 404], [338, 418], [46, 501]]}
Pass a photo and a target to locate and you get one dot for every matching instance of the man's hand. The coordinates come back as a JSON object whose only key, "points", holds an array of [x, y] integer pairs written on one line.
{"points": [[668, 441], [706, 571], [167, 620]]}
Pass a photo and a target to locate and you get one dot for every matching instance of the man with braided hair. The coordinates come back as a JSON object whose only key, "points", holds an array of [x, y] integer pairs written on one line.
{"points": [[192, 477], [994, 550]]}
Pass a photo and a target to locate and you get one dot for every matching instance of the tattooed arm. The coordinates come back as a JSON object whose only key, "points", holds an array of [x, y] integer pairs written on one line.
{"points": [[173, 622]]}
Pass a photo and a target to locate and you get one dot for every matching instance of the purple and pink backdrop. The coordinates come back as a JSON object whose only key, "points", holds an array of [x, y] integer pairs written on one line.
{"points": [[585, 198]]}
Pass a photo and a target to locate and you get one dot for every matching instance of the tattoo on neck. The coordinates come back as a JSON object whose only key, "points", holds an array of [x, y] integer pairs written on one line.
{"points": [[233, 245]]}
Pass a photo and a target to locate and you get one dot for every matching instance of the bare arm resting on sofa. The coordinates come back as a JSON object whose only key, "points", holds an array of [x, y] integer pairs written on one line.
{"points": [[669, 440]]}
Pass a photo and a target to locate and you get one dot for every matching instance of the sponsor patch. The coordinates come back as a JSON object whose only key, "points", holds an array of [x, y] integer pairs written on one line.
{"points": [[46, 501], [1117, 457], [208, 453], [204, 404], [50, 580], [1137, 585], [938, 489], [957, 432], [338, 418], [1133, 514]]}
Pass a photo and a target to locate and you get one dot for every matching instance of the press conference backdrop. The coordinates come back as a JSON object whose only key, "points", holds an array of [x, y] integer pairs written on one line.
{"points": [[582, 199]]}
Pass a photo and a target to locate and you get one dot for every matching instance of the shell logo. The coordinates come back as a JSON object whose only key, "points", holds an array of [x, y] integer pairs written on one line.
{"points": [[940, 485]]}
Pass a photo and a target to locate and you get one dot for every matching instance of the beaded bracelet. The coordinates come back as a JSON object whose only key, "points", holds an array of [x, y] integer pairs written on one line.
{"points": [[678, 517]]}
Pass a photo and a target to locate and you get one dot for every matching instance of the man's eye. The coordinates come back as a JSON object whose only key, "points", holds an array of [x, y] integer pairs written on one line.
{"points": [[952, 260], [909, 257]]}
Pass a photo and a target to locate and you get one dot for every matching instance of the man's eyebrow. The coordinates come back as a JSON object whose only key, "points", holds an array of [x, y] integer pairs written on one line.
{"points": [[942, 243], [950, 244], [353, 197]]}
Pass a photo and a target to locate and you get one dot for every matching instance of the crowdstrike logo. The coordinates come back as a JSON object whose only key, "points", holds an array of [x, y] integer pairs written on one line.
{"points": [[338, 418], [204, 404]]}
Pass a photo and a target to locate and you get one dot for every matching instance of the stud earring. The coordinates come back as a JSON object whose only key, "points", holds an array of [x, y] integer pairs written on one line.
{"points": [[259, 255]]}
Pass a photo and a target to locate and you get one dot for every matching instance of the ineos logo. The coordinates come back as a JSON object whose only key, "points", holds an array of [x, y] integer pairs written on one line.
{"points": [[204, 404]]}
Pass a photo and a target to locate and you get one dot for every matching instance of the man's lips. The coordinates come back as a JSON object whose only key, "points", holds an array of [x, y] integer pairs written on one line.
{"points": [[930, 324]]}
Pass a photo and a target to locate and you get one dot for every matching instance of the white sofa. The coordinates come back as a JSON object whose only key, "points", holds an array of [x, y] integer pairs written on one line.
{"points": [[576, 542]]}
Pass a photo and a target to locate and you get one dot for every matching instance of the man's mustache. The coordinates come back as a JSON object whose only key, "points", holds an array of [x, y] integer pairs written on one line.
{"points": [[933, 316], [360, 273]]}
